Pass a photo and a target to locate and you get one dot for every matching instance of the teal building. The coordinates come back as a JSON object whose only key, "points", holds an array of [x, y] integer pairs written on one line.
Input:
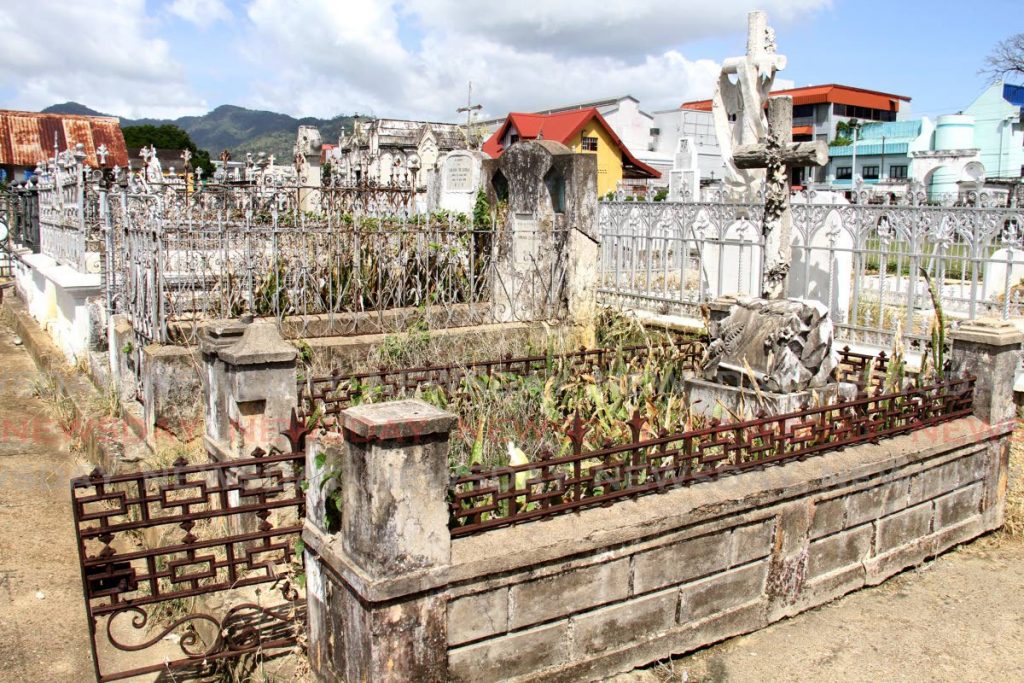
{"points": [[999, 130]]}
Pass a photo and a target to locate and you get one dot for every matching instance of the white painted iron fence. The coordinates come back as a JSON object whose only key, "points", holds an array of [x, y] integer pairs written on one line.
{"points": [[870, 263]]}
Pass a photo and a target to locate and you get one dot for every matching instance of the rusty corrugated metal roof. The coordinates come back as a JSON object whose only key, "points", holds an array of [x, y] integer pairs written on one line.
{"points": [[27, 137]]}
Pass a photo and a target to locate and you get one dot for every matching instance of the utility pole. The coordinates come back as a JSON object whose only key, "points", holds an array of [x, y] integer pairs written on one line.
{"points": [[469, 109]]}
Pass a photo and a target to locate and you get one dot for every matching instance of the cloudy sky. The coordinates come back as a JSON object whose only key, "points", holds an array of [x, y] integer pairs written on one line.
{"points": [[413, 58]]}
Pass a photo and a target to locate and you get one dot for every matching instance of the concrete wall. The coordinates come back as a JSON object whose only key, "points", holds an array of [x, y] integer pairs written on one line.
{"points": [[583, 596]]}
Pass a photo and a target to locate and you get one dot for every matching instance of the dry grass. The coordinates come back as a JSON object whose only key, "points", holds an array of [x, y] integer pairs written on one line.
{"points": [[1015, 492]]}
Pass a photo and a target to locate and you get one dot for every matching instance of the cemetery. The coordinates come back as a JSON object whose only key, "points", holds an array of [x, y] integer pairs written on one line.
{"points": [[484, 425]]}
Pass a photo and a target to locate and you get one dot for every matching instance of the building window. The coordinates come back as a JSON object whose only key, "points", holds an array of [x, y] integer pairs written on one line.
{"points": [[869, 172], [897, 171], [803, 111], [844, 173], [588, 144]]}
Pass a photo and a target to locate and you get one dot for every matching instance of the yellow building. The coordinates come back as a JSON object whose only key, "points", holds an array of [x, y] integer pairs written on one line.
{"points": [[583, 131]]}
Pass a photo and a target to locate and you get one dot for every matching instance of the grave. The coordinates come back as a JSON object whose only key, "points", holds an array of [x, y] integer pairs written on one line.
{"points": [[460, 180], [769, 354], [545, 246]]}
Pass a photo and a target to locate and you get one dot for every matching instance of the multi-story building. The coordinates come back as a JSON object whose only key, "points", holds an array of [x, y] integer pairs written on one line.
{"points": [[817, 112], [999, 130]]}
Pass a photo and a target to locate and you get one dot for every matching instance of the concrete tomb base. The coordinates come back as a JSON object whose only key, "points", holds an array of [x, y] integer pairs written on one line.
{"points": [[712, 399]]}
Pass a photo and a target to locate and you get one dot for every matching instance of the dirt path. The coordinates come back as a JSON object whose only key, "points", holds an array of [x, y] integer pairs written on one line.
{"points": [[43, 633]]}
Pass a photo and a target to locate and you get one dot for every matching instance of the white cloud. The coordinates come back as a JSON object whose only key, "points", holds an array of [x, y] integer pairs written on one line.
{"points": [[414, 58], [97, 52], [202, 13]]}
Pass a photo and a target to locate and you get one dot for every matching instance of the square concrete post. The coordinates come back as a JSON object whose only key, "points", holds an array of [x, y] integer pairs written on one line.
{"points": [[990, 350], [250, 392], [375, 581]]}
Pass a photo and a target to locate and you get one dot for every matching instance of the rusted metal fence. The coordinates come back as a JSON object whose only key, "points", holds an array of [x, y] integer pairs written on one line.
{"points": [[154, 544], [489, 498], [328, 395]]}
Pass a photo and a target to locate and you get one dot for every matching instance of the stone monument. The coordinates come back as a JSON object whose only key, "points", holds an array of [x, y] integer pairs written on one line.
{"points": [[307, 166], [770, 353], [460, 180]]}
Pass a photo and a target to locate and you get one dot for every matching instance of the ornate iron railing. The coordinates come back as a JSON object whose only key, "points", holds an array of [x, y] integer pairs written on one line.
{"points": [[151, 542], [485, 499], [866, 261]]}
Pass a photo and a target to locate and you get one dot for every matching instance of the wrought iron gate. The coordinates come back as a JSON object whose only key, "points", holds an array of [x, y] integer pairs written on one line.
{"points": [[176, 562]]}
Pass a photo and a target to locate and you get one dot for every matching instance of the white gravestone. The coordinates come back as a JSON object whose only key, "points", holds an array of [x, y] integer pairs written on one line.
{"points": [[684, 178], [460, 180], [824, 272], [1006, 261], [731, 260]]}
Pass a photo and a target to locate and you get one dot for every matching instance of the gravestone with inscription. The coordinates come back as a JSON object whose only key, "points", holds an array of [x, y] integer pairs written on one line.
{"points": [[460, 180]]}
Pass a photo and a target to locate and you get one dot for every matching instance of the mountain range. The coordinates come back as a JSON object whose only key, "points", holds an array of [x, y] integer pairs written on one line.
{"points": [[236, 129]]}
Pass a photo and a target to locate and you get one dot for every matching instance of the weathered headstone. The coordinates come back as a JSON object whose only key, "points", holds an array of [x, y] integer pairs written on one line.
{"points": [[460, 180], [546, 247]]}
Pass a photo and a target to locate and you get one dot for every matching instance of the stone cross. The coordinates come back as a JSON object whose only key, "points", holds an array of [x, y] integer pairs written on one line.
{"points": [[101, 154], [186, 156], [777, 154], [737, 106]]}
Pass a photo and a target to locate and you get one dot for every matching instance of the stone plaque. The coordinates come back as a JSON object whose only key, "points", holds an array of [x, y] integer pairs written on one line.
{"points": [[458, 174], [526, 235]]}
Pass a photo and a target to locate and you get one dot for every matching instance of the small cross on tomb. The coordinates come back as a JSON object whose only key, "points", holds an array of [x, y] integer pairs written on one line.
{"points": [[101, 153], [777, 154]]}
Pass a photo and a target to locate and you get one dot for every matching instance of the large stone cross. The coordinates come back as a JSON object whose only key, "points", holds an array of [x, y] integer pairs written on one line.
{"points": [[777, 154]]}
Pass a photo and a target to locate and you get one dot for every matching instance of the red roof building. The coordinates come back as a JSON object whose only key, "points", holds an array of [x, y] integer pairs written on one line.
{"points": [[26, 138], [583, 131]]}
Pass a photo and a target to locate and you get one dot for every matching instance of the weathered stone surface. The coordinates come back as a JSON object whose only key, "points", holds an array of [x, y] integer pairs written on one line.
{"points": [[679, 562], [407, 419], [510, 656], [261, 343], [876, 502], [933, 482], [477, 616], [394, 518], [722, 592], [752, 541], [840, 550], [990, 351], [567, 593], [786, 344], [958, 506], [904, 527], [636, 619], [829, 516]]}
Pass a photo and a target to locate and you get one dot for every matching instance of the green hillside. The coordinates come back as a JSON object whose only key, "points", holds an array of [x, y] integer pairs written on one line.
{"points": [[236, 129]]}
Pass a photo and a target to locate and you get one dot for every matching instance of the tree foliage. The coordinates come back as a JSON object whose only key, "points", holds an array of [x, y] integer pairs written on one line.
{"points": [[168, 136], [1006, 59]]}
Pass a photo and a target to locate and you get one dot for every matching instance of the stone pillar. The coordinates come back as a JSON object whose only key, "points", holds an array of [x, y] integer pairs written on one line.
{"points": [[307, 165], [546, 253], [375, 579], [250, 379], [990, 350]]}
